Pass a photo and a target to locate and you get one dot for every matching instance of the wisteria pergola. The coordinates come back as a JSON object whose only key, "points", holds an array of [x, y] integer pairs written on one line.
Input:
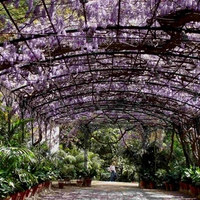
{"points": [[109, 60]]}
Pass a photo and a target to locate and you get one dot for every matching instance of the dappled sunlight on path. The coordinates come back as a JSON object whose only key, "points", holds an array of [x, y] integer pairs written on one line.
{"points": [[101, 190]]}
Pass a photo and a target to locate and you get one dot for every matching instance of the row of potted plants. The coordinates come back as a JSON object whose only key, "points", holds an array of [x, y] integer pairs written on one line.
{"points": [[147, 179], [24, 183], [22, 169], [190, 181], [169, 179], [33, 191], [84, 178], [71, 165], [186, 180]]}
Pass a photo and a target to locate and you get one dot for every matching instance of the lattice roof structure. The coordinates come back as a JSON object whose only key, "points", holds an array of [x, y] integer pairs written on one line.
{"points": [[111, 60]]}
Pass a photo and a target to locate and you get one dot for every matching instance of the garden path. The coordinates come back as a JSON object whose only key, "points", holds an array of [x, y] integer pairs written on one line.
{"points": [[101, 190]]}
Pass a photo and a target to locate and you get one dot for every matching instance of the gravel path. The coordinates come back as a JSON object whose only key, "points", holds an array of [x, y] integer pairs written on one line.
{"points": [[101, 190]]}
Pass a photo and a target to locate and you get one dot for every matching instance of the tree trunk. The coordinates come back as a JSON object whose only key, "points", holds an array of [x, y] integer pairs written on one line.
{"points": [[185, 146], [86, 144]]}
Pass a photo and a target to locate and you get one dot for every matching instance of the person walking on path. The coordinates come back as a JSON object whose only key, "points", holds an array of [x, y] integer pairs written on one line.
{"points": [[112, 172]]}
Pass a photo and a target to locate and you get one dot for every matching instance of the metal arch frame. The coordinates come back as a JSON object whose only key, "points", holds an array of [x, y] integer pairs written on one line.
{"points": [[113, 50]]}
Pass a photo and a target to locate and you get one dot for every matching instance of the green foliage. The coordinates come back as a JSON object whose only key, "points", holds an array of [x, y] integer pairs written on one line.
{"points": [[26, 178], [15, 158], [64, 164], [20, 169], [7, 186], [45, 170], [3, 127], [13, 130], [172, 176], [105, 140], [105, 176], [18, 14], [15, 167], [191, 175], [70, 163], [196, 177]]}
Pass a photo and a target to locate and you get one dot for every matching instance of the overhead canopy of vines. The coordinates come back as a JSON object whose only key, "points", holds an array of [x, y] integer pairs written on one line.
{"points": [[108, 60]]}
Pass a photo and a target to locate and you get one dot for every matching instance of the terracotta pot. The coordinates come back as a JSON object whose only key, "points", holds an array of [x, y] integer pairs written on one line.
{"points": [[47, 184], [193, 190], [18, 196], [14, 196], [28, 192], [172, 186], [143, 184], [186, 186], [40, 187], [61, 184], [152, 185], [79, 182], [198, 190], [22, 195], [88, 182], [34, 190], [181, 184], [166, 186]]}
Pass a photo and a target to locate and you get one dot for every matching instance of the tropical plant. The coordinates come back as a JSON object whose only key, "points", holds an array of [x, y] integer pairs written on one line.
{"points": [[172, 177], [14, 158], [63, 164], [7, 186], [188, 174], [15, 167], [71, 163], [191, 175], [94, 164], [13, 129], [45, 169], [25, 178], [196, 178]]}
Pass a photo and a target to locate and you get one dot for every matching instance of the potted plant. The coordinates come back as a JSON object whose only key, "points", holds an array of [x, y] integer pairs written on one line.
{"points": [[89, 174], [60, 179], [143, 179], [61, 183], [81, 174], [147, 179], [80, 177], [152, 182], [7, 187], [79, 181], [186, 179], [195, 180], [15, 164], [172, 180]]}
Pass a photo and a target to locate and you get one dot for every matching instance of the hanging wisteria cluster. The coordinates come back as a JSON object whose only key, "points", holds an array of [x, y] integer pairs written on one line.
{"points": [[132, 60]]}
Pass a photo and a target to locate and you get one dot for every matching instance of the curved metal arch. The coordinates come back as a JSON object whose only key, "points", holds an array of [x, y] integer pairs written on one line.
{"points": [[171, 24], [156, 115], [125, 106], [88, 94], [131, 72]]}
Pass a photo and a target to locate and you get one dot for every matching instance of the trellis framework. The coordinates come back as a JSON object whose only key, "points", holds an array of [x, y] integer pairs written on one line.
{"points": [[110, 60]]}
